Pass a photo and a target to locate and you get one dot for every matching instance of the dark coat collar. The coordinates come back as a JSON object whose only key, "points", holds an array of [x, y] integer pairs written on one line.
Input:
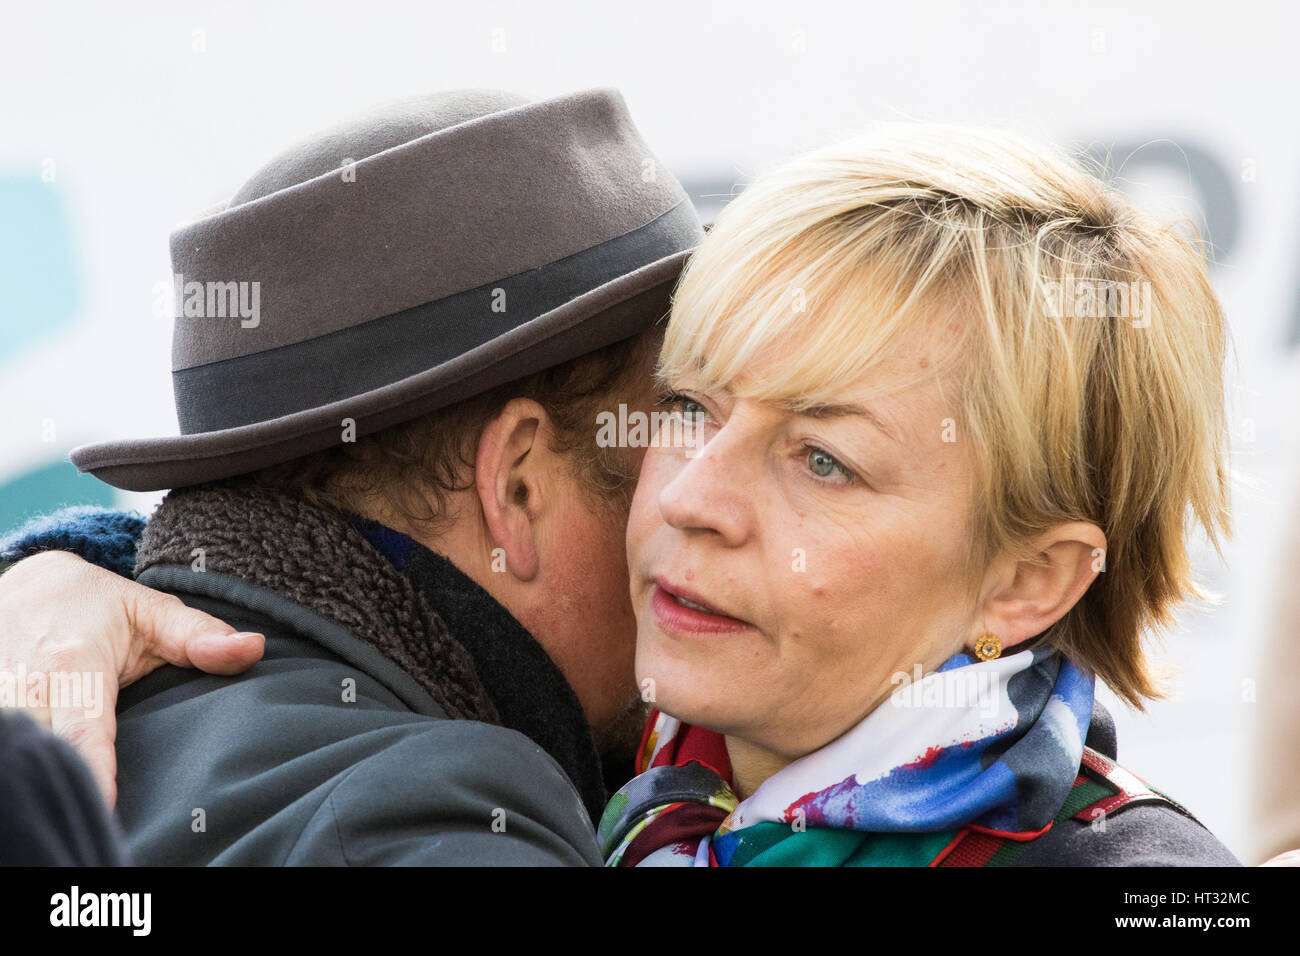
{"points": [[416, 607]]}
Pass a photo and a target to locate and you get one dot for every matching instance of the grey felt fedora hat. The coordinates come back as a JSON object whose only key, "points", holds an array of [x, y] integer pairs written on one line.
{"points": [[430, 250]]}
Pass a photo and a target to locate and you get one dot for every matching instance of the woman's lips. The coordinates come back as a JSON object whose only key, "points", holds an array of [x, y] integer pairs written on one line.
{"points": [[673, 615]]}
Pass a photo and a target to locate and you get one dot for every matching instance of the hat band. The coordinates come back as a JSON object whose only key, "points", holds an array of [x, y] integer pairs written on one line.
{"points": [[292, 378]]}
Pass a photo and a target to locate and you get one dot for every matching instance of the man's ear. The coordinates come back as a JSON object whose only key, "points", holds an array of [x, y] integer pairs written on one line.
{"points": [[508, 476], [1023, 598]]}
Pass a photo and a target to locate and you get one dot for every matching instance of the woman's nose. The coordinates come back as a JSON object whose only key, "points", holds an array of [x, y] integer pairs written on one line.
{"points": [[713, 490]]}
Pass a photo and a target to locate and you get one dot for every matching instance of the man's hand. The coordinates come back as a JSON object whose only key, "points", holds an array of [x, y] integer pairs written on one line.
{"points": [[60, 615]]}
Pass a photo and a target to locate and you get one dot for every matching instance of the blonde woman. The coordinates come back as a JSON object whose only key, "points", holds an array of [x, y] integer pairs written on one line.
{"points": [[947, 405], [955, 403]]}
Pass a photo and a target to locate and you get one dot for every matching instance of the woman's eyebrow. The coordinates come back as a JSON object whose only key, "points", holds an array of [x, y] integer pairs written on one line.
{"points": [[823, 411]]}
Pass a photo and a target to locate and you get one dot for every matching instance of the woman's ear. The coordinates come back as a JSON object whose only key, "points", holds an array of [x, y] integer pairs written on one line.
{"points": [[1025, 597], [508, 476]]}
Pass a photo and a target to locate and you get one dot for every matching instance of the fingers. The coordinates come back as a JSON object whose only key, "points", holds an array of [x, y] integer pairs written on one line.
{"points": [[98, 631], [163, 629], [92, 737], [225, 653]]}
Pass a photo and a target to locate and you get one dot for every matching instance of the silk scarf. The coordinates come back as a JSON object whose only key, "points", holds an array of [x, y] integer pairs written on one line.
{"points": [[993, 745]]}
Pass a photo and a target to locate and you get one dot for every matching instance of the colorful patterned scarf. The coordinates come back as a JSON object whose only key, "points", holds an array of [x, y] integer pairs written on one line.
{"points": [[992, 746]]}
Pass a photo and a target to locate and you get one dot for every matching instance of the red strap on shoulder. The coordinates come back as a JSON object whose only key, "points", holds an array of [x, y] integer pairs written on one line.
{"points": [[967, 848], [1129, 790], [975, 846]]}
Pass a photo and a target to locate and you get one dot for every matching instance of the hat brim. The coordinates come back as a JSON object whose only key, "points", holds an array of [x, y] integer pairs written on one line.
{"points": [[617, 310]]}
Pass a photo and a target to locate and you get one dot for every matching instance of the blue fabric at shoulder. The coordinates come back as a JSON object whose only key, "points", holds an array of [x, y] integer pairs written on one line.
{"points": [[100, 535]]}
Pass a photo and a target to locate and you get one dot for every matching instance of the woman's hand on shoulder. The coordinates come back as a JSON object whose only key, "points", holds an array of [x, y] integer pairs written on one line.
{"points": [[73, 634]]}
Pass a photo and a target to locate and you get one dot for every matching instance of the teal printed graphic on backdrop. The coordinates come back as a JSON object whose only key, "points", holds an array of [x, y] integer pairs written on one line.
{"points": [[48, 488], [40, 289], [40, 297]]}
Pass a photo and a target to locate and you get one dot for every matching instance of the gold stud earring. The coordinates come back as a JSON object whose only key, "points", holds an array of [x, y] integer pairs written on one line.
{"points": [[988, 647]]}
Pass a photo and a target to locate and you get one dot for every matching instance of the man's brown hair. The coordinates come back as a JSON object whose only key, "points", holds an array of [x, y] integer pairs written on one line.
{"points": [[414, 466]]}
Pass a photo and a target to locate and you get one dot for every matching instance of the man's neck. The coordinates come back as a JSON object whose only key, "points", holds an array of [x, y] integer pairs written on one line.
{"points": [[528, 689]]}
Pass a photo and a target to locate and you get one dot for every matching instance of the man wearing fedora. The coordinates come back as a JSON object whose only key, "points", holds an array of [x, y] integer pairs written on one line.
{"points": [[390, 350]]}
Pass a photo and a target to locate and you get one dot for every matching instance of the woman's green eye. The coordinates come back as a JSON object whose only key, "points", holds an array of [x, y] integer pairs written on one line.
{"points": [[691, 409], [823, 465], [688, 407]]}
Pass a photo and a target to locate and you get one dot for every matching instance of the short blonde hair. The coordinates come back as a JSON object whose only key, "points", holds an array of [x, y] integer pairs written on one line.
{"points": [[1085, 340]]}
